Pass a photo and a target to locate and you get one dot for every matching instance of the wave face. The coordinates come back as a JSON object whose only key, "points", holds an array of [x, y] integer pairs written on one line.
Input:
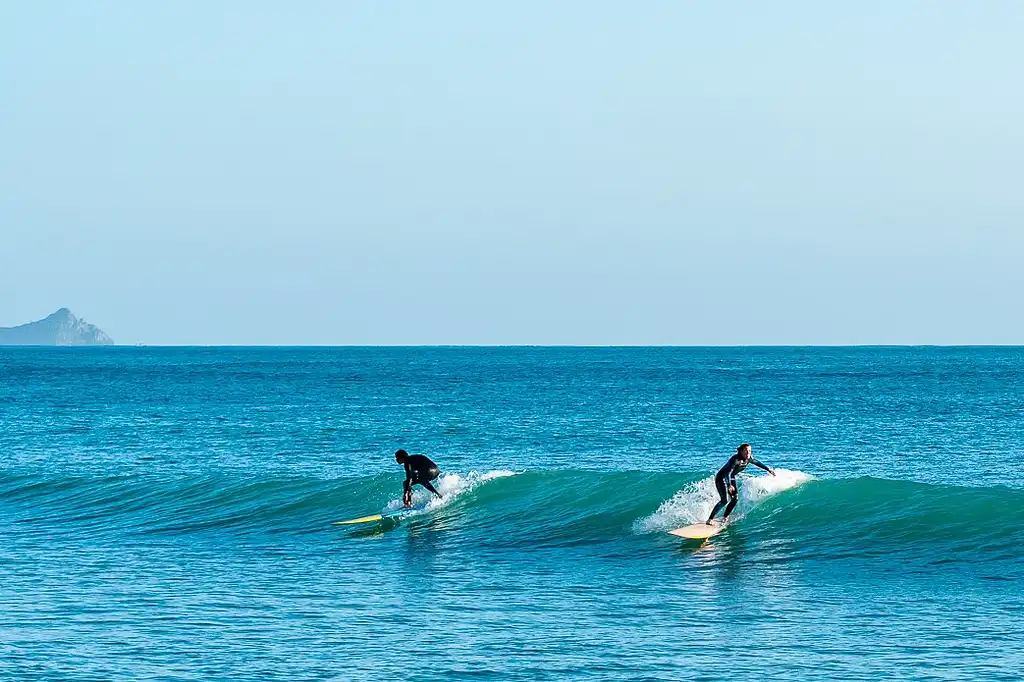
{"points": [[862, 517]]}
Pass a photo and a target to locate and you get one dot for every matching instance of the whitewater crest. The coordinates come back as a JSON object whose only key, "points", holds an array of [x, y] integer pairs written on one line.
{"points": [[693, 504], [451, 486]]}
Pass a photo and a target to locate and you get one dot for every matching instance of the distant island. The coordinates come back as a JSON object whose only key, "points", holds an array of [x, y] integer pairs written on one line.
{"points": [[62, 328]]}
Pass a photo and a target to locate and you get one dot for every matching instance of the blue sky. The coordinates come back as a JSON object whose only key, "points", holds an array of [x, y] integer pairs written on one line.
{"points": [[516, 173]]}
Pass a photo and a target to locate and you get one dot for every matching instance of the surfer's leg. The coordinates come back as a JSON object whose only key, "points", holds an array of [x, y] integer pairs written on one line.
{"points": [[718, 508], [733, 499], [723, 499], [426, 484]]}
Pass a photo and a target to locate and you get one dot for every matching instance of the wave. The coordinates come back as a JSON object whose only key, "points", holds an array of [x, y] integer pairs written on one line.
{"points": [[503, 509]]}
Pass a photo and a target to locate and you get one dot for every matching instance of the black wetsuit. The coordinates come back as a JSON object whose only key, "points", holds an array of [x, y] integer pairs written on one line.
{"points": [[420, 470], [725, 481]]}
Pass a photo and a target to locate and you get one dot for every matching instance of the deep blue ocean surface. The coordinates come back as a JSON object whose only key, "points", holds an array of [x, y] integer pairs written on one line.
{"points": [[166, 514]]}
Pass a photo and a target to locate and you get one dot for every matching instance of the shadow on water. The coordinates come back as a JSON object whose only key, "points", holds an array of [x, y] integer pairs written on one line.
{"points": [[373, 530], [723, 556]]}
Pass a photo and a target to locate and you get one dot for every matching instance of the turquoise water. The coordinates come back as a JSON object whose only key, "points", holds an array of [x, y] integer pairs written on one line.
{"points": [[166, 514]]}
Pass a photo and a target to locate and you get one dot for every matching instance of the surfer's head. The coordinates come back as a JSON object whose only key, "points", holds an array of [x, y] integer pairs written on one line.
{"points": [[744, 450], [401, 456]]}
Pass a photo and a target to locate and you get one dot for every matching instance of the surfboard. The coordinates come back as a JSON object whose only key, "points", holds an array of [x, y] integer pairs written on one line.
{"points": [[697, 531], [396, 514], [362, 519]]}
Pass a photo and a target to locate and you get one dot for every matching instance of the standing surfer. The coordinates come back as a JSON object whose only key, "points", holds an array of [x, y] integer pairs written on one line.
{"points": [[725, 479], [419, 469]]}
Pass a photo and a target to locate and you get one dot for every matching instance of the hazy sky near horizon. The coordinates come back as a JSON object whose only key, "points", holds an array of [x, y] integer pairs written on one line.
{"points": [[258, 172]]}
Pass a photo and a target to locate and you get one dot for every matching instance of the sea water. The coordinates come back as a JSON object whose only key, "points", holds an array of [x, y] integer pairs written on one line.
{"points": [[167, 514]]}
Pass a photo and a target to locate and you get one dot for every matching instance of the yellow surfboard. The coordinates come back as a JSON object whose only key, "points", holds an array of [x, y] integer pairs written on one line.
{"points": [[365, 519], [396, 514]]}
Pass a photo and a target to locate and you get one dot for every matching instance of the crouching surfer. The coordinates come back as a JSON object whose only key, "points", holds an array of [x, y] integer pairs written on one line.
{"points": [[419, 470]]}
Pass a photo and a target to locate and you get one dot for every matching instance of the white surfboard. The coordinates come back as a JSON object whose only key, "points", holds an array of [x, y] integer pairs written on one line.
{"points": [[697, 531]]}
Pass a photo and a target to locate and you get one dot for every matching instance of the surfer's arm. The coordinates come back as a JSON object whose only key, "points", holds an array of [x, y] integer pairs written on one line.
{"points": [[762, 466], [407, 490]]}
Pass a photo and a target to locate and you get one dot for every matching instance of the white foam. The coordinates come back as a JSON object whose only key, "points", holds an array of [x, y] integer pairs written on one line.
{"points": [[451, 486], [693, 504]]}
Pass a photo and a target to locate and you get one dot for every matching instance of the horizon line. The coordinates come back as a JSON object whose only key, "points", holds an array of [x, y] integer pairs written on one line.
{"points": [[531, 346]]}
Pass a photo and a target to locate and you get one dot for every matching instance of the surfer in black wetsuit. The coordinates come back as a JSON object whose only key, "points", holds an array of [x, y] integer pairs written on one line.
{"points": [[725, 479], [418, 470]]}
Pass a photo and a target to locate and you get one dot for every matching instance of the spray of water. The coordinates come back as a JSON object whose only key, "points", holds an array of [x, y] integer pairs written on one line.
{"points": [[451, 486]]}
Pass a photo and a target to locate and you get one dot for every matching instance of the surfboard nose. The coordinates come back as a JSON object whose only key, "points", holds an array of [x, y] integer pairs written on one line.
{"points": [[364, 519]]}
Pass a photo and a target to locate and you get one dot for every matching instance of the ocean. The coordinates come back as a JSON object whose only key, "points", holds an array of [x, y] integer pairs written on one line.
{"points": [[167, 514]]}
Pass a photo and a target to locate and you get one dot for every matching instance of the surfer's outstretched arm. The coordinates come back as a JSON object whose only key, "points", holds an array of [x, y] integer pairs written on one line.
{"points": [[762, 466]]}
